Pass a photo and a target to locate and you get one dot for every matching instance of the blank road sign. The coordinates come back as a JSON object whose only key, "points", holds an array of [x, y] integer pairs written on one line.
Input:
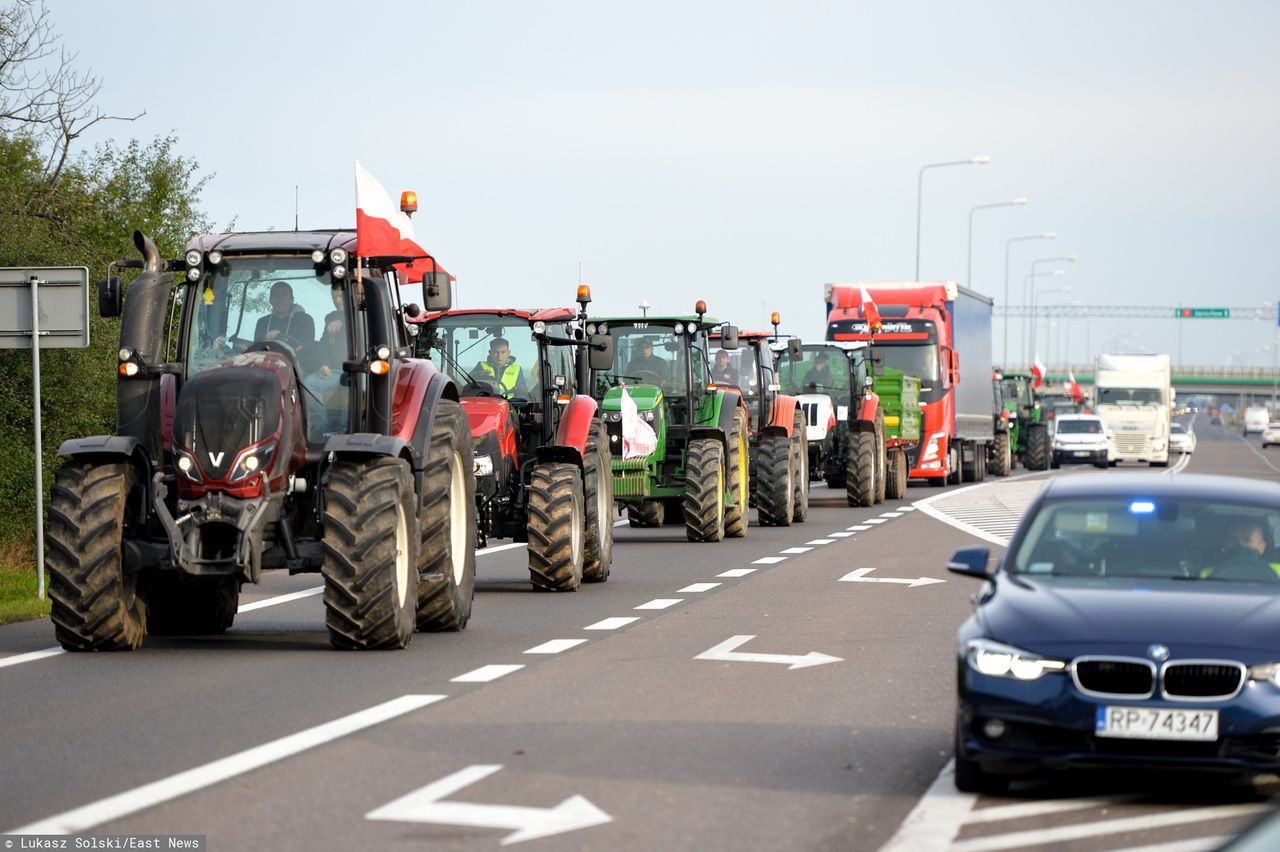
{"points": [[63, 303]]}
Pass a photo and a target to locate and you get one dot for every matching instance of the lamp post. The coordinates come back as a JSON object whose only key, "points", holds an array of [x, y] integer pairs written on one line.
{"points": [[1047, 235], [980, 160], [1057, 273], [1012, 202], [1066, 258]]}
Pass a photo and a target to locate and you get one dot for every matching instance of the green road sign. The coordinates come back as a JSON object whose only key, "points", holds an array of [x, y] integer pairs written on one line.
{"points": [[1202, 313]]}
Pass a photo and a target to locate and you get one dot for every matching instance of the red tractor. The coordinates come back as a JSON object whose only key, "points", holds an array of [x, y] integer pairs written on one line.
{"points": [[542, 457], [270, 414]]}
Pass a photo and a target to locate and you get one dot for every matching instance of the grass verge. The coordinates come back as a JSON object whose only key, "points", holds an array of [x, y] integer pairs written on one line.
{"points": [[18, 601]]}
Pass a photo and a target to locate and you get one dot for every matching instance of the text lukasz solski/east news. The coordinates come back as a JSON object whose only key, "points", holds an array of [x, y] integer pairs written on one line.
{"points": [[119, 842]]}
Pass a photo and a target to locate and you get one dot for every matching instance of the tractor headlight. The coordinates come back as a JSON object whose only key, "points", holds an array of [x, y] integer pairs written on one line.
{"points": [[648, 415], [338, 255], [483, 466], [539, 327], [317, 256], [251, 461], [187, 465], [215, 257], [194, 257], [338, 271], [193, 273], [613, 416]]}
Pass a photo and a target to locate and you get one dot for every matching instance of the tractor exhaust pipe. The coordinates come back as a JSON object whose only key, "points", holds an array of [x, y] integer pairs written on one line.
{"points": [[142, 331]]}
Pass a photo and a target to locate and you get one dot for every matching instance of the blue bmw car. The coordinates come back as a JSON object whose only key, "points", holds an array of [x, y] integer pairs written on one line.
{"points": [[1134, 620]]}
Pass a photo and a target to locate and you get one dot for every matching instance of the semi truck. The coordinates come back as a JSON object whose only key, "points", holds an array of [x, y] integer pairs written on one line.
{"points": [[940, 333], [1133, 394]]}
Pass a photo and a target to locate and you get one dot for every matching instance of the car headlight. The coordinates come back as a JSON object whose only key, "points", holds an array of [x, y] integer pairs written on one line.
{"points": [[1266, 671], [251, 461], [995, 659]]}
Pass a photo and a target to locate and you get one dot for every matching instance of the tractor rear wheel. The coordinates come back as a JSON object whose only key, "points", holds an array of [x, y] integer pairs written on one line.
{"points": [[647, 514], [447, 559], [735, 516], [881, 473], [370, 553], [178, 605], [1003, 461], [704, 489], [895, 485], [95, 605], [556, 524], [1037, 455], [800, 460], [775, 485], [597, 488], [860, 469]]}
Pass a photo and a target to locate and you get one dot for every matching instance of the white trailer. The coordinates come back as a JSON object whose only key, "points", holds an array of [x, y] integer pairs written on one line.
{"points": [[1133, 394]]}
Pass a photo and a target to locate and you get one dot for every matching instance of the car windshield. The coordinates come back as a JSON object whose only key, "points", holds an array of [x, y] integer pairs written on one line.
{"points": [[1080, 427], [1138, 396], [1189, 539], [652, 353], [1178, 428]]}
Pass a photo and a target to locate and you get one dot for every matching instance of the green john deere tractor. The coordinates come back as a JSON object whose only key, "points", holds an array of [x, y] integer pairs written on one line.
{"points": [[1028, 433], [683, 455]]}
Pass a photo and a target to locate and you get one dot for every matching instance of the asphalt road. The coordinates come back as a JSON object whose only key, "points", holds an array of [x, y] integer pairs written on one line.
{"points": [[717, 696]]}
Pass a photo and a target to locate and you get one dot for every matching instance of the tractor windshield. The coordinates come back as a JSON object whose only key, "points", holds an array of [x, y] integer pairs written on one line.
{"points": [[650, 353], [738, 369], [819, 369], [493, 354], [247, 300]]}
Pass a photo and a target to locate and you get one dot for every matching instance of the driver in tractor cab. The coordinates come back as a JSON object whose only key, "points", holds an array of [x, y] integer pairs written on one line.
{"points": [[287, 322], [819, 378], [501, 369], [644, 361], [723, 372]]}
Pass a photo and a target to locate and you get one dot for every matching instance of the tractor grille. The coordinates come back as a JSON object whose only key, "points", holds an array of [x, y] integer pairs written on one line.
{"points": [[1115, 676], [1203, 680], [810, 412]]}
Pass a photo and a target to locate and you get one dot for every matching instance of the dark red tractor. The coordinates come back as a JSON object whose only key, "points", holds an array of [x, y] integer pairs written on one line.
{"points": [[542, 457], [271, 415]]}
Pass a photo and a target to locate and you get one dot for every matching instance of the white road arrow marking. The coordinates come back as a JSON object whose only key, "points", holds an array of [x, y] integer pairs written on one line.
{"points": [[860, 576], [724, 652], [424, 805]]}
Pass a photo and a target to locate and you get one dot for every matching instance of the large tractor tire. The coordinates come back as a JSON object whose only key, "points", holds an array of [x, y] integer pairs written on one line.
{"points": [[370, 553], [895, 485], [775, 482], [1037, 455], [1002, 463], [556, 525], [860, 469], [447, 559], [647, 514], [800, 460], [881, 457], [704, 509], [597, 482], [735, 516], [96, 606], [178, 605]]}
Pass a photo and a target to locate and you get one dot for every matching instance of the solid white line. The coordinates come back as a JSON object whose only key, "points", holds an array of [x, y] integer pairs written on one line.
{"points": [[699, 587], [738, 572], [484, 674], [660, 603], [796, 550], [999, 813], [841, 535], [149, 795], [611, 623], [31, 656], [555, 646], [766, 560], [279, 599], [1191, 844], [1094, 828], [821, 541], [935, 819]]}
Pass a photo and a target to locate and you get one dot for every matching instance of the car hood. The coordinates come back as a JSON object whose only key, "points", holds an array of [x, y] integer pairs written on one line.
{"points": [[1066, 617]]}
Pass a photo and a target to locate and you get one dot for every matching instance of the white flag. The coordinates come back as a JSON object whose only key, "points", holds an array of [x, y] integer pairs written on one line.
{"points": [[638, 438]]}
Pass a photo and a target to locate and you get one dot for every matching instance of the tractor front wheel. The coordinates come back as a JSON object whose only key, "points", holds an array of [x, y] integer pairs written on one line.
{"points": [[1037, 455], [1003, 461], [597, 483], [704, 490], [447, 559], [800, 461], [735, 516], [860, 469], [775, 486], [647, 514], [895, 485]]}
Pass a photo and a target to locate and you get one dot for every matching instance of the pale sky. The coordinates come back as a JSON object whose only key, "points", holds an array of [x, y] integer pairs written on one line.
{"points": [[744, 152]]}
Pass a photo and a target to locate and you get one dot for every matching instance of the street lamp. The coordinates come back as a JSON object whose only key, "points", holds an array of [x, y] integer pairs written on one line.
{"points": [[1057, 273], [980, 160], [1047, 235], [1067, 258], [1012, 202]]}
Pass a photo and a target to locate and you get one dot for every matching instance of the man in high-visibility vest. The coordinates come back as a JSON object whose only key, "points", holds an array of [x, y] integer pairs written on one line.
{"points": [[501, 369]]}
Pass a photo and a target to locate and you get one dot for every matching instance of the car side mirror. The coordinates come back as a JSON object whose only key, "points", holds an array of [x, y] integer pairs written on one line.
{"points": [[795, 349], [729, 337], [436, 291], [600, 352], [971, 562], [109, 296]]}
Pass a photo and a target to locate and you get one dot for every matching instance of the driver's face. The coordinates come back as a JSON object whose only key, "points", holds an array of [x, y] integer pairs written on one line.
{"points": [[281, 301], [499, 354]]}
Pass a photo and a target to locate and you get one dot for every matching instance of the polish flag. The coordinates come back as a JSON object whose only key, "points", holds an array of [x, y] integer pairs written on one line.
{"points": [[1037, 372], [638, 438], [869, 311], [381, 229], [1074, 387]]}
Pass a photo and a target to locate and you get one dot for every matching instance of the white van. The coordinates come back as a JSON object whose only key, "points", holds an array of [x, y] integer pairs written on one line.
{"points": [[1256, 419]]}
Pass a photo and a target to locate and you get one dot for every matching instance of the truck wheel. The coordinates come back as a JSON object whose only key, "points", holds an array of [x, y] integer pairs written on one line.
{"points": [[597, 482], [95, 605], [800, 476], [447, 558], [370, 553], [880, 457], [860, 469], [704, 490], [647, 514], [955, 463], [178, 605], [556, 523], [735, 516], [1037, 455], [1003, 461], [775, 485], [895, 486]]}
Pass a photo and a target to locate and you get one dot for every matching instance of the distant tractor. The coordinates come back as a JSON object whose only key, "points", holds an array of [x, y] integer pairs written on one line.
{"points": [[698, 470], [542, 458], [1028, 430], [270, 415]]}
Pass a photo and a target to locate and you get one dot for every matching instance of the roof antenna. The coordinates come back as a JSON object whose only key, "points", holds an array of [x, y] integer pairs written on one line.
{"points": [[295, 208], [579, 272]]}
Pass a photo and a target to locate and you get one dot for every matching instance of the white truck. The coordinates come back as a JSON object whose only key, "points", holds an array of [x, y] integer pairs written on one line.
{"points": [[1256, 418], [1133, 394]]}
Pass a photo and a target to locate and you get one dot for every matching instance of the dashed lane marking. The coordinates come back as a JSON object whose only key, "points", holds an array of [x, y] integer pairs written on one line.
{"points": [[660, 603], [612, 623], [796, 551], [699, 587], [484, 674], [840, 535], [738, 572], [555, 646], [821, 541], [877, 521], [891, 515], [858, 528], [764, 560]]}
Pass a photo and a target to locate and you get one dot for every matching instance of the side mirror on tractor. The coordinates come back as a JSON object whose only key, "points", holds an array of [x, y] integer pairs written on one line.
{"points": [[600, 352], [795, 349], [729, 337], [109, 296], [436, 291]]}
